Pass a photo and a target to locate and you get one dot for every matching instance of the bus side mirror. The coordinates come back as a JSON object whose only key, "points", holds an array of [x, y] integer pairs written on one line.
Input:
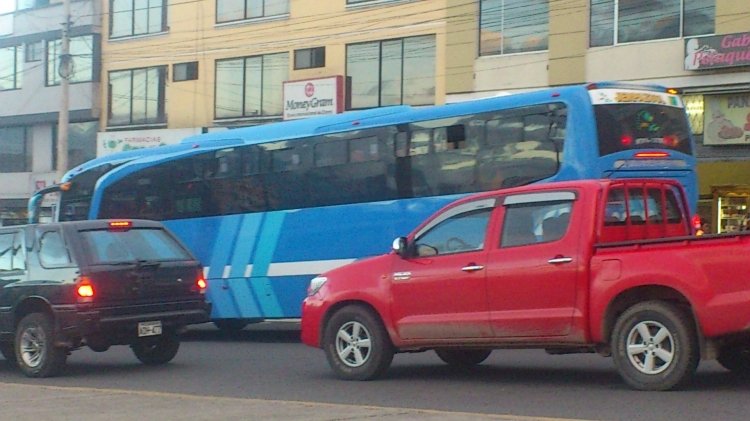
{"points": [[400, 246]]}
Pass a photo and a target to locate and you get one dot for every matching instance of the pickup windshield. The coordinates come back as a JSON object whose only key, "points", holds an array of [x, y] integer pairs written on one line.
{"points": [[133, 245]]}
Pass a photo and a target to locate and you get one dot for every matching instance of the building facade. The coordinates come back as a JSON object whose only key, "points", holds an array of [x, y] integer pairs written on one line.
{"points": [[171, 68], [30, 94]]}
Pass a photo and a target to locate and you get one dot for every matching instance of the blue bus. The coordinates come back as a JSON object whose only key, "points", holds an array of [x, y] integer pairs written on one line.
{"points": [[265, 208]]}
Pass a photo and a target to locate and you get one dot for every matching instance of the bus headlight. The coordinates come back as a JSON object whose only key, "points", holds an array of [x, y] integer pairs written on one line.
{"points": [[315, 284]]}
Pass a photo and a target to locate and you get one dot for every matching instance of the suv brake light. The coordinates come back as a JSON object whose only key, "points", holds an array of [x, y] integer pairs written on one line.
{"points": [[200, 285], [85, 291], [120, 225]]}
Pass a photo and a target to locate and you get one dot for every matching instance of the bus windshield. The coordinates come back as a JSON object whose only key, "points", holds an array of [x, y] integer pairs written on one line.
{"points": [[641, 126], [75, 201]]}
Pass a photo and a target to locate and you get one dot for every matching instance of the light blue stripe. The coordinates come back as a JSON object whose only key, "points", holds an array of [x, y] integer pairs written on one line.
{"points": [[269, 238], [224, 304], [243, 248]]}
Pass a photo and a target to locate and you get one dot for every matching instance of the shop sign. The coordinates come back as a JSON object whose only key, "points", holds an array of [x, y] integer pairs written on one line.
{"points": [[717, 51], [313, 97], [111, 142], [726, 119]]}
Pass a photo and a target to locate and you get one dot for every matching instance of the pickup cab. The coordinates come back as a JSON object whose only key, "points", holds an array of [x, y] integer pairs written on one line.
{"points": [[607, 266], [96, 284]]}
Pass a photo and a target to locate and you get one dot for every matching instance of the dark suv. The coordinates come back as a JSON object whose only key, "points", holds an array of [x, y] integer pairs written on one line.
{"points": [[95, 283]]}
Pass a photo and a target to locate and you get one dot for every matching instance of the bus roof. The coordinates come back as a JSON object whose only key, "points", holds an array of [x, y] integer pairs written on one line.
{"points": [[352, 120]]}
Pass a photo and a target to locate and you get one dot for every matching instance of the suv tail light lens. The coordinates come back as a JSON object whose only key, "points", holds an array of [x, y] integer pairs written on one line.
{"points": [[85, 291], [200, 285]]}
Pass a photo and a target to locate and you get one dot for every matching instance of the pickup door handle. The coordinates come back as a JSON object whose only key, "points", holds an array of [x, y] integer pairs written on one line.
{"points": [[472, 267], [559, 259]]}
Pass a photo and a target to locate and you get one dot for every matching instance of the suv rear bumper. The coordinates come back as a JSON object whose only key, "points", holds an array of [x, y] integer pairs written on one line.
{"points": [[119, 325]]}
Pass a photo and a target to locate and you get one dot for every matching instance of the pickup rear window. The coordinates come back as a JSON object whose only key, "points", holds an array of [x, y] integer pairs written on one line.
{"points": [[132, 245]]}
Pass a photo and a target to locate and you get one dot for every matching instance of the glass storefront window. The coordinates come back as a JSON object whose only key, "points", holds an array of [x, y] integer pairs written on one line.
{"points": [[513, 26], [406, 76], [82, 50], [250, 86], [622, 21], [15, 154]]}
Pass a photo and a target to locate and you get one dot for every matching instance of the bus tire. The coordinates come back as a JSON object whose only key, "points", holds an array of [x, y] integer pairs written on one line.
{"points": [[356, 344], [230, 326], [36, 353], [654, 346], [463, 358], [157, 350], [736, 358]]}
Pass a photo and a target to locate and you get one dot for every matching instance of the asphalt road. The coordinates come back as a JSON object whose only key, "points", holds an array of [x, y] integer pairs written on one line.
{"points": [[267, 362]]}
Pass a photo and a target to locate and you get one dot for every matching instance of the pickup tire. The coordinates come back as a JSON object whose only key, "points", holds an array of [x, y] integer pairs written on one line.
{"points": [[736, 358], [654, 346], [156, 350], [356, 344], [463, 357], [8, 351], [36, 353]]}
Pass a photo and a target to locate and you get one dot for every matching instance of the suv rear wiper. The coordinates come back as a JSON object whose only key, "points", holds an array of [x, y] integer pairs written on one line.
{"points": [[147, 264]]}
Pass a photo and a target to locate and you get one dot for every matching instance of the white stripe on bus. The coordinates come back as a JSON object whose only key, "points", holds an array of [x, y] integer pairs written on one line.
{"points": [[312, 267]]}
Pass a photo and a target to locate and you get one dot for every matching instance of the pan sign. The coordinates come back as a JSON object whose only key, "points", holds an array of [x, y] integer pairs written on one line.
{"points": [[313, 97], [717, 51]]}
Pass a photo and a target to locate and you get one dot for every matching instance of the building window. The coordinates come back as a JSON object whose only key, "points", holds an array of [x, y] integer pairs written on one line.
{"points": [[308, 58], [30, 4], [81, 143], [128, 18], [137, 96], [81, 51], [11, 67], [251, 86], [15, 151], [694, 108], [185, 71], [622, 21], [34, 51], [234, 10], [353, 2], [513, 26], [392, 72]]}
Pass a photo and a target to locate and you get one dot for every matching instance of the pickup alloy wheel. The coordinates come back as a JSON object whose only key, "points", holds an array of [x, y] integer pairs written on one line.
{"points": [[655, 346], [463, 357], [36, 354], [157, 350], [356, 344]]}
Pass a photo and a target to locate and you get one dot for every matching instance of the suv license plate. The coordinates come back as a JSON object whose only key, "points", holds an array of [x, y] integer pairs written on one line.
{"points": [[149, 328]]}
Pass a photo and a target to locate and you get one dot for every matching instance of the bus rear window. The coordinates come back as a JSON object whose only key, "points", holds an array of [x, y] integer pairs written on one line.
{"points": [[624, 127]]}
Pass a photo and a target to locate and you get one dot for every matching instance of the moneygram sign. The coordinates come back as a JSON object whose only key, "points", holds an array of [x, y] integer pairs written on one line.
{"points": [[717, 51], [313, 97]]}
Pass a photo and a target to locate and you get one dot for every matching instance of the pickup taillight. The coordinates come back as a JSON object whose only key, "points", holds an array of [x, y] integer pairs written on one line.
{"points": [[84, 290]]}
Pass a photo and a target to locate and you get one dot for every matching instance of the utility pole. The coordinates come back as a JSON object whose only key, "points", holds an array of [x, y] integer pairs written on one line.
{"points": [[64, 70]]}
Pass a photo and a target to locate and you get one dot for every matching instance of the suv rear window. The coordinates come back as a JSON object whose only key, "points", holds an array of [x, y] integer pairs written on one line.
{"points": [[147, 244]]}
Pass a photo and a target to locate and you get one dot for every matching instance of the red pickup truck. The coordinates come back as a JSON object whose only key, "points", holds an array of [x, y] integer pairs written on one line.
{"points": [[607, 266]]}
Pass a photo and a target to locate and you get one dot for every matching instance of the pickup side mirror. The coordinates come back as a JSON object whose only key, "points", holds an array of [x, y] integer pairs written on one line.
{"points": [[400, 245]]}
